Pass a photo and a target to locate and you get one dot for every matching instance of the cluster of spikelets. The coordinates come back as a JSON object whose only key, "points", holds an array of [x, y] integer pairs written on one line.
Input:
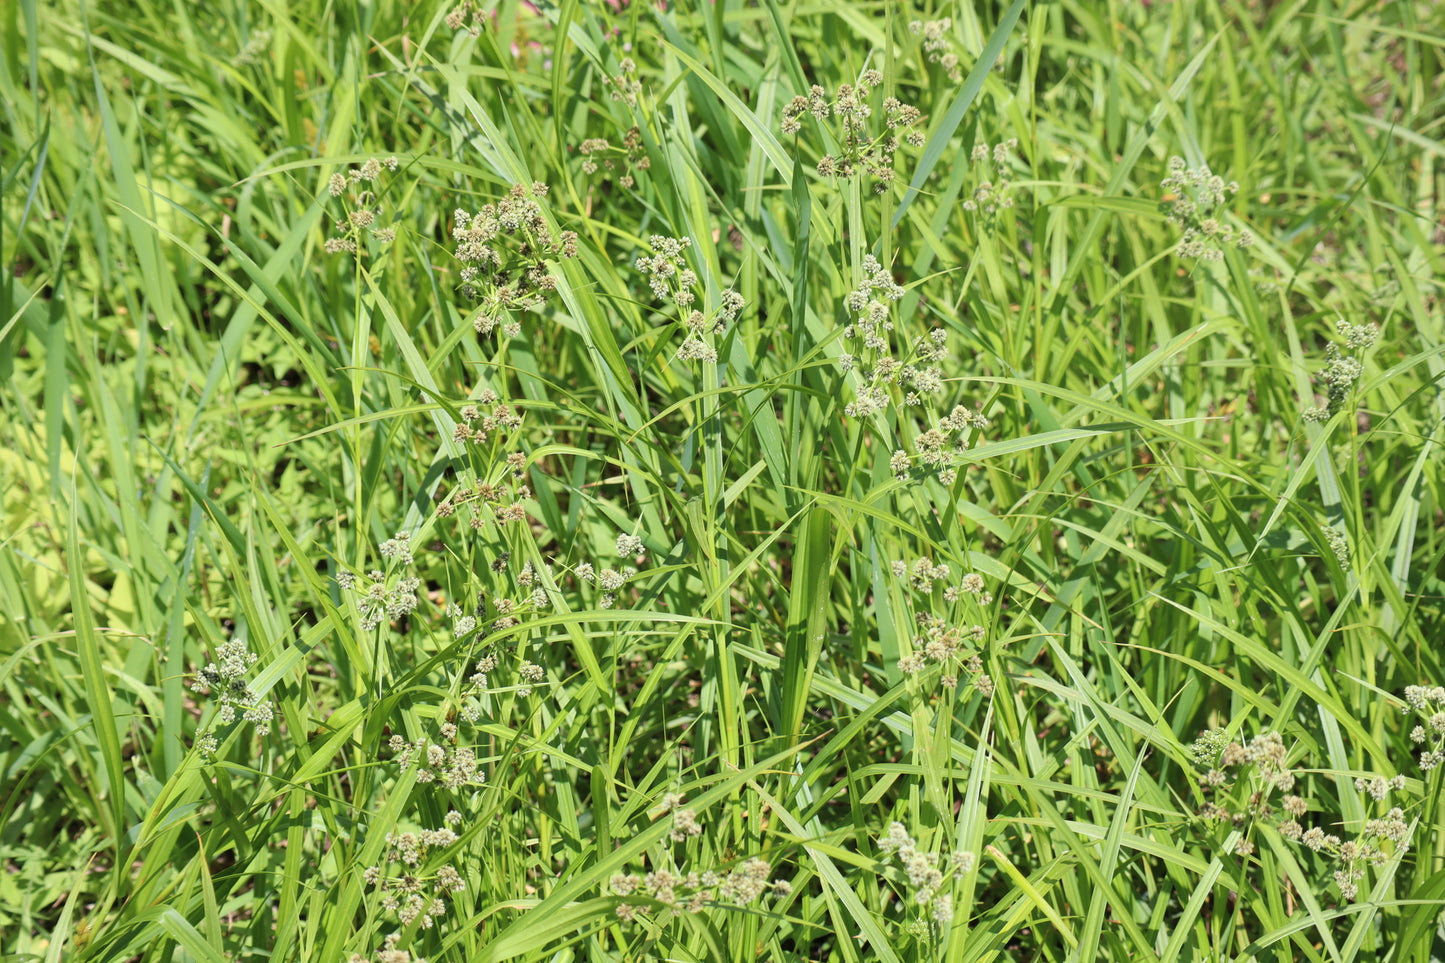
{"points": [[384, 600], [937, 45], [881, 378], [684, 820], [947, 641], [1339, 544], [624, 85], [598, 153], [388, 953], [1193, 199], [255, 50], [504, 249], [677, 286], [939, 448], [1428, 702], [693, 891], [529, 674], [863, 146], [1244, 778], [225, 678], [468, 15], [608, 580], [379, 597], [598, 587], [363, 217], [992, 195], [927, 874], [1342, 370], [870, 353], [405, 891], [500, 498], [1369, 848], [1260, 762], [477, 425], [441, 761], [867, 337]]}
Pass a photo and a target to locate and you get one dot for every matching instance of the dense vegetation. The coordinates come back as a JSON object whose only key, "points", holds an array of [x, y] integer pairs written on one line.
{"points": [[722, 481]]}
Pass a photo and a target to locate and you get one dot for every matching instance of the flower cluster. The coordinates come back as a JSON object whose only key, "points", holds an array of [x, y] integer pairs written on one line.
{"points": [[693, 892], [1368, 849], [1259, 763], [361, 219], [869, 355], [990, 196], [666, 270], [529, 672], [477, 424], [1192, 198], [227, 677], [407, 893], [397, 549], [442, 762], [1205, 750], [1428, 702], [529, 675], [531, 582], [684, 821], [625, 86], [380, 601], [860, 149], [1259, 768], [945, 641], [388, 953], [502, 499], [609, 580], [599, 153], [868, 335], [629, 546], [938, 45], [469, 15], [462, 623], [1341, 371], [532, 586], [1339, 545], [504, 248], [672, 281], [927, 874], [479, 682], [938, 448], [254, 50]]}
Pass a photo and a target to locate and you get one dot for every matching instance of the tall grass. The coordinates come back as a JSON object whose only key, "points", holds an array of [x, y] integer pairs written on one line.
{"points": [[980, 575]]}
